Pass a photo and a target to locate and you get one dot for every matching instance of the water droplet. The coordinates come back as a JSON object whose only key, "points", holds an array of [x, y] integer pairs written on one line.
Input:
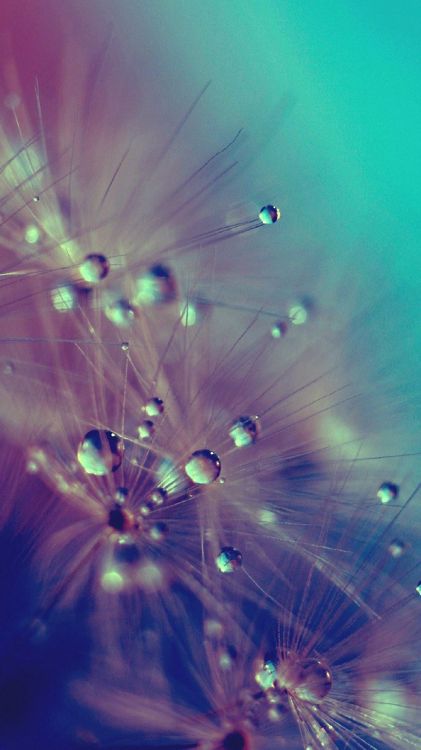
{"points": [[121, 495], [94, 268], [154, 407], [298, 314], [279, 329], [190, 313], [418, 588], [146, 430], [156, 287], [203, 467], [158, 531], [269, 214], [387, 492], [155, 499], [244, 431], [126, 552], [397, 548], [8, 368], [100, 452], [266, 675], [36, 199], [227, 657], [308, 679], [63, 298], [124, 346], [112, 581], [228, 560], [32, 234], [120, 312]]}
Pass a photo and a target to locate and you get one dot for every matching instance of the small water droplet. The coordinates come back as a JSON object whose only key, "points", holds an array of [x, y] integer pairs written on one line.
{"points": [[228, 560], [244, 431], [387, 492], [154, 407], [94, 268], [269, 214]]}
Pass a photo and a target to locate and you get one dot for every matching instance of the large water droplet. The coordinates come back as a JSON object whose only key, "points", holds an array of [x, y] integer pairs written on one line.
{"points": [[100, 452], [203, 467], [94, 268], [269, 214]]}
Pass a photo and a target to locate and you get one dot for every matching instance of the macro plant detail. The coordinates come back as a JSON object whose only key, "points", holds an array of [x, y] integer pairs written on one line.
{"points": [[210, 515]]}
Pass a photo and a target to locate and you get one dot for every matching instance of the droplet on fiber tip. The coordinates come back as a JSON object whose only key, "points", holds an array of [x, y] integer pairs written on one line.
{"points": [[387, 492], [269, 214], [279, 329], [100, 452], [120, 312], [244, 431], [203, 467], [154, 407], [146, 429], [94, 268], [155, 287], [228, 560]]}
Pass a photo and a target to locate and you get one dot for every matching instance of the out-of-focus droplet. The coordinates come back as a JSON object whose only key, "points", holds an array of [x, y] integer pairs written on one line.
{"points": [[156, 287], [36, 199], [266, 674], [146, 430], [126, 552], [100, 452], [124, 346], [279, 329], [191, 313], [418, 588], [244, 431], [32, 234], [121, 495], [269, 214], [8, 368], [397, 548], [63, 298], [112, 581], [94, 268], [226, 657], [154, 407], [154, 501], [158, 531], [228, 560], [203, 467], [120, 312], [298, 314], [387, 492]]}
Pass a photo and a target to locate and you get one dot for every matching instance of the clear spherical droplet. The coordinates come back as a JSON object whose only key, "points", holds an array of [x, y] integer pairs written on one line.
{"points": [[269, 214], [203, 467], [156, 287], [387, 492], [94, 268], [154, 407], [120, 312], [279, 329], [244, 431], [100, 452], [228, 560], [146, 430]]}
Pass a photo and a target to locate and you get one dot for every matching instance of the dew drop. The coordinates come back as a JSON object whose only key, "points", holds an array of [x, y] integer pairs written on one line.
{"points": [[387, 492], [418, 588], [8, 368], [32, 234], [94, 268], [120, 312], [203, 467], [124, 346], [298, 314], [158, 531], [244, 431], [156, 287], [228, 560], [146, 430], [100, 452], [279, 329], [121, 495], [154, 501], [63, 298], [309, 679], [154, 407], [269, 214], [397, 548]]}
